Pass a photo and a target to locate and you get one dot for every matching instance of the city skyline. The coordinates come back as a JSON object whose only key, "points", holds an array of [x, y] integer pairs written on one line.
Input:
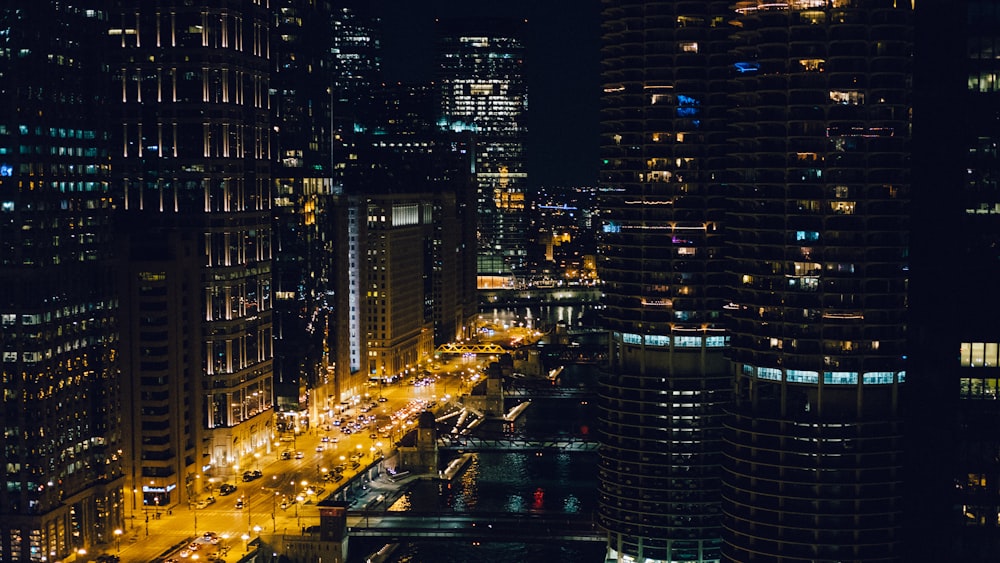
{"points": [[221, 231]]}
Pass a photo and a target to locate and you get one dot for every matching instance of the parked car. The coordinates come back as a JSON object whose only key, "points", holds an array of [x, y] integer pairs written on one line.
{"points": [[227, 489]]}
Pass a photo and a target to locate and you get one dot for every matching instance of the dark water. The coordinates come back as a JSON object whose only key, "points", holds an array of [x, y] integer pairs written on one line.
{"points": [[518, 482]]}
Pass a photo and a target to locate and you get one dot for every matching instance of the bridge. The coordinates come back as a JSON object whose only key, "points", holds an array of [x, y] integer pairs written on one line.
{"points": [[483, 348], [515, 443], [547, 391], [524, 527], [527, 387]]}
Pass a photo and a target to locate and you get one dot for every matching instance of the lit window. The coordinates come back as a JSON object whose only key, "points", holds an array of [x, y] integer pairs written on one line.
{"points": [[812, 65], [773, 374], [843, 207], [689, 47], [978, 354], [849, 97]]}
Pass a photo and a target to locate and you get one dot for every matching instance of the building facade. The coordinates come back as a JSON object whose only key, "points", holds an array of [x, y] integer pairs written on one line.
{"points": [[193, 156], [483, 90], [62, 453], [954, 489], [660, 261], [819, 265], [303, 190]]}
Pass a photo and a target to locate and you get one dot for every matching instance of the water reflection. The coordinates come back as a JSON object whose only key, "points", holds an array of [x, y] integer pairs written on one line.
{"points": [[540, 317]]}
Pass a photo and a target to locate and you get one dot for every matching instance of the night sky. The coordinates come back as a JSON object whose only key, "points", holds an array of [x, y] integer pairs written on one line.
{"points": [[561, 65]]}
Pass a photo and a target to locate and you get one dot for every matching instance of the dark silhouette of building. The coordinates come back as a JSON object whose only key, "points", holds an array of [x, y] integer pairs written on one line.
{"points": [[62, 444], [660, 260], [952, 399]]}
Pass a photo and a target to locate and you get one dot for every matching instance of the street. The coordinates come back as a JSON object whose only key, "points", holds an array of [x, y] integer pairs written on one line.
{"points": [[297, 481]]}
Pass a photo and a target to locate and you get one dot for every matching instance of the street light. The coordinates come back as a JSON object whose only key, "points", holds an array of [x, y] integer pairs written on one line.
{"points": [[246, 541], [118, 539], [274, 526], [195, 510]]}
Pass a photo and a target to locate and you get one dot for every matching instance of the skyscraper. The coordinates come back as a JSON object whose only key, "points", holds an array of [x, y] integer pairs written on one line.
{"points": [[481, 77], [61, 460], [663, 108], [818, 242], [953, 398], [192, 159], [303, 189]]}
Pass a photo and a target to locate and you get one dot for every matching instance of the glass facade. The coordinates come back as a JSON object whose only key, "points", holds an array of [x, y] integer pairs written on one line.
{"points": [[483, 90], [59, 372], [303, 257]]}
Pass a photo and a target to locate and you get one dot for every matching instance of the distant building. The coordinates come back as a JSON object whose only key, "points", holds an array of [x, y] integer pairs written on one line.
{"points": [[62, 460], [483, 91]]}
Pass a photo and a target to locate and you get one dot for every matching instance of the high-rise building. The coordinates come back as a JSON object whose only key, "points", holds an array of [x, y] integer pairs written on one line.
{"points": [[482, 85], [302, 70], [192, 158], [818, 242], [356, 70], [953, 398], [62, 457], [663, 107]]}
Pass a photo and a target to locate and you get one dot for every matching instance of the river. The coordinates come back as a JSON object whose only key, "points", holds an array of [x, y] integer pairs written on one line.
{"points": [[518, 482]]}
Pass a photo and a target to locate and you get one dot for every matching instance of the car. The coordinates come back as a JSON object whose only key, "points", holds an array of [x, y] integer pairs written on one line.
{"points": [[286, 455], [239, 504], [382, 399], [299, 455], [319, 448], [227, 489], [185, 553], [209, 535], [324, 439], [193, 546]]}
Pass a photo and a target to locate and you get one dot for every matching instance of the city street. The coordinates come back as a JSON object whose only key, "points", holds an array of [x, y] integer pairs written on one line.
{"points": [[166, 532]]}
